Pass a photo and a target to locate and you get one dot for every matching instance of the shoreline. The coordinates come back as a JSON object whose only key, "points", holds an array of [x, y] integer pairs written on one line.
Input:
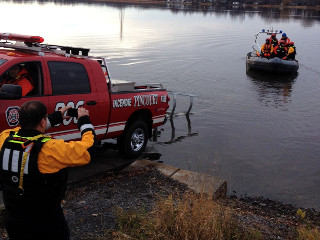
{"points": [[162, 2], [140, 184], [90, 203]]}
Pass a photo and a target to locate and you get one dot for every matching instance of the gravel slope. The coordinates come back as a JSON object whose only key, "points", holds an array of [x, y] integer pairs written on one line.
{"points": [[90, 205], [89, 208]]}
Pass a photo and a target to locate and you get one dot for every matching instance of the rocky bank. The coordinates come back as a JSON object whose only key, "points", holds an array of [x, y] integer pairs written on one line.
{"points": [[89, 205]]}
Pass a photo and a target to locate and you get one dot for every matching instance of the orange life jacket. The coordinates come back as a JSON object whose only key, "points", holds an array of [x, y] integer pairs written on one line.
{"points": [[287, 40], [23, 79], [267, 48]]}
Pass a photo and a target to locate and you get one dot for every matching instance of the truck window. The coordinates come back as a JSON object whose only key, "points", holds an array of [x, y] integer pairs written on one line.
{"points": [[26, 74], [68, 78], [2, 61]]}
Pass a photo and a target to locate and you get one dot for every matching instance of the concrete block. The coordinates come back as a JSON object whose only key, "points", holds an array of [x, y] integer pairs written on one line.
{"points": [[202, 183], [166, 170], [139, 165], [199, 182]]}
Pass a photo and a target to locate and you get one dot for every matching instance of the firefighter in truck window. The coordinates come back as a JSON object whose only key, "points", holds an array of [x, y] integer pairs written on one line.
{"points": [[18, 75]]}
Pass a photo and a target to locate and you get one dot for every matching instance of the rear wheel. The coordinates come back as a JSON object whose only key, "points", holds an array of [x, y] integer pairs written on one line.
{"points": [[134, 139]]}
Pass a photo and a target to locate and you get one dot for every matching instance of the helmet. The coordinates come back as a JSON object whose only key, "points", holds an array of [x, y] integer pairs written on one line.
{"points": [[273, 35], [284, 35], [267, 40], [291, 43], [282, 42]]}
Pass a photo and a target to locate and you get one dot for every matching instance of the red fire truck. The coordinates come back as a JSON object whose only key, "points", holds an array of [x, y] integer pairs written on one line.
{"points": [[64, 76]]}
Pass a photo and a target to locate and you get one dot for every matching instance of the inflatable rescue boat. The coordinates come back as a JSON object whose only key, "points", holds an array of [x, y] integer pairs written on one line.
{"points": [[255, 61]]}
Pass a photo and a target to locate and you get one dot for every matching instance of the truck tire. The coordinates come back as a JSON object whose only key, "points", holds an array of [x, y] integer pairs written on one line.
{"points": [[134, 139]]}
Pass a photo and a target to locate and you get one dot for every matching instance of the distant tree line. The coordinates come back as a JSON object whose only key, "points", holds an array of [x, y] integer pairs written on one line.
{"points": [[273, 2]]}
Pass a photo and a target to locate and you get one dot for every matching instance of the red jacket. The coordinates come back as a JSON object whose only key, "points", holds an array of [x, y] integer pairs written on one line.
{"points": [[287, 40]]}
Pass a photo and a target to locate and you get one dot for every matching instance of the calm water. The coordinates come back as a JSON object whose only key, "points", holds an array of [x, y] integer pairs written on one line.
{"points": [[260, 132]]}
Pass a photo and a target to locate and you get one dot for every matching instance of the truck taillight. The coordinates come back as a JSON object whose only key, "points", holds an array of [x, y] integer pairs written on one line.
{"points": [[21, 38]]}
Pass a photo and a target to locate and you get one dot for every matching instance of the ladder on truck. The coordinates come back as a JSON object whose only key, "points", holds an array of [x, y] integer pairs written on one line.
{"points": [[177, 93], [172, 113]]}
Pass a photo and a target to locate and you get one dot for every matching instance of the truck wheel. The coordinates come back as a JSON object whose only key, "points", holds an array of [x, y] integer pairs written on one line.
{"points": [[134, 139]]}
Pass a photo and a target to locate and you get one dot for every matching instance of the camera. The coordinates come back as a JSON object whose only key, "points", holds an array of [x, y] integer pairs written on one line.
{"points": [[72, 112]]}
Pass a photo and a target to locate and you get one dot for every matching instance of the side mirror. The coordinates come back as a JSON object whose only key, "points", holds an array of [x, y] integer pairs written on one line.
{"points": [[11, 92]]}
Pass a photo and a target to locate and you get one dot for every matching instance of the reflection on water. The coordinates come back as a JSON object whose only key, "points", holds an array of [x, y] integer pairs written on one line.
{"points": [[173, 138], [151, 154], [309, 16], [273, 89]]}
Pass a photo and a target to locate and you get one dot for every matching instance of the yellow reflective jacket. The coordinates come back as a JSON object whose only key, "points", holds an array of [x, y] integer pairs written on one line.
{"points": [[57, 154], [291, 50]]}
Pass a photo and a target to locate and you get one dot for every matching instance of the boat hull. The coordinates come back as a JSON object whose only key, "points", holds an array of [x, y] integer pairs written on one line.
{"points": [[271, 64]]}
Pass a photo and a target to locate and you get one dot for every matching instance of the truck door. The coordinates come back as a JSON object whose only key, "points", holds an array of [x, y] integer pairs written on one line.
{"points": [[71, 85]]}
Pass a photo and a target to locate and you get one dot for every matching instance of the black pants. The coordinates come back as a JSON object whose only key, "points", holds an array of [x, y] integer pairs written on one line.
{"points": [[47, 223]]}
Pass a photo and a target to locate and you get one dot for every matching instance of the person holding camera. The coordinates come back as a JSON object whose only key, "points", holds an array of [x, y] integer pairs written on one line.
{"points": [[33, 172]]}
